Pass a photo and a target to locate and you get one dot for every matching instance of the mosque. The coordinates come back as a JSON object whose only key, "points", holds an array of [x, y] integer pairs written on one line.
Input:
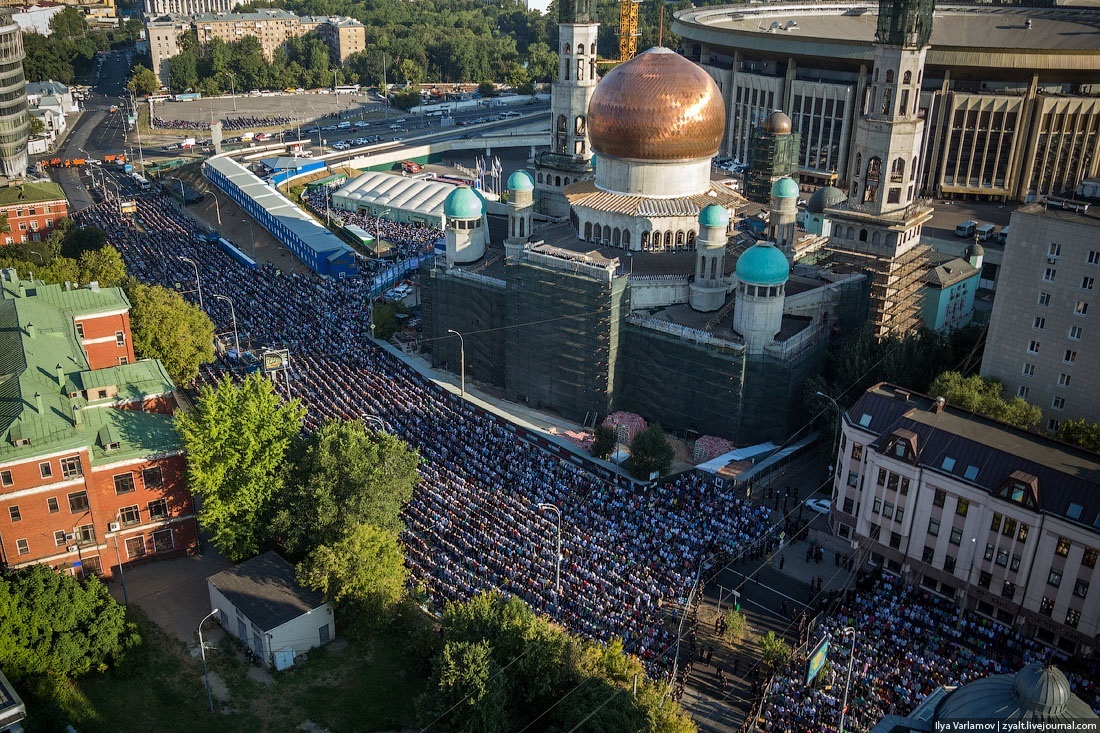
{"points": [[626, 286]]}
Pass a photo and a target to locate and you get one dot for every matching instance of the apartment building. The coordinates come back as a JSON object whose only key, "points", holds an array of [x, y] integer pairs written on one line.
{"points": [[344, 36], [33, 210], [1043, 337], [271, 27], [91, 471], [1004, 522], [164, 34], [181, 7]]}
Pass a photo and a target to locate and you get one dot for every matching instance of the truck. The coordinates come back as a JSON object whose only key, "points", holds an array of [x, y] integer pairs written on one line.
{"points": [[188, 143], [127, 168], [114, 108], [247, 136]]}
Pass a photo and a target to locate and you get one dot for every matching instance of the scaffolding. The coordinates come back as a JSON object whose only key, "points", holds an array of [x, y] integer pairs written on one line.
{"points": [[628, 29], [896, 286], [770, 157]]}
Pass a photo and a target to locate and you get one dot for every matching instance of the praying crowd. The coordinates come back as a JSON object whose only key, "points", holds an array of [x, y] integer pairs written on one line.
{"points": [[474, 523], [406, 240], [908, 642]]}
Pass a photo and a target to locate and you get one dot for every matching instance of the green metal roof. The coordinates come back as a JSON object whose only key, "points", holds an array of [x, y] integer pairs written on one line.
{"points": [[521, 181], [714, 216], [463, 203], [763, 264], [31, 193], [785, 188], [42, 363]]}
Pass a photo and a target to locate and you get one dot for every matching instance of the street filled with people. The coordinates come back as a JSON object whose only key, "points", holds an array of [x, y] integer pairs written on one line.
{"points": [[405, 240], [474, 524], [229, 123]]}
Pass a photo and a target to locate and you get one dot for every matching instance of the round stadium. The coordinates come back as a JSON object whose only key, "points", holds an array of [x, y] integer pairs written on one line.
{"points": [[1010, 95]]}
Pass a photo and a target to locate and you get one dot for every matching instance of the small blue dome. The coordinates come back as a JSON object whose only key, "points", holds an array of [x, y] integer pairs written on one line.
{"points": [[763, 264], [785, 188], [714, 216], [592, 161], [463, 203], [521, 181]]}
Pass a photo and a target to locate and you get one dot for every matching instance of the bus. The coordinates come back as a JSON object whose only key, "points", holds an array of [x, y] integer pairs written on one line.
{"points": [[346, 89], [966, 229], [1002, 237], [986, 232]]}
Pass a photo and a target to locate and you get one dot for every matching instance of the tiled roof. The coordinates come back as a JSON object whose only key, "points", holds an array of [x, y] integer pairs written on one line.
{"points": [[948, 273], [31, 193], [585, 193], [984, 452]]}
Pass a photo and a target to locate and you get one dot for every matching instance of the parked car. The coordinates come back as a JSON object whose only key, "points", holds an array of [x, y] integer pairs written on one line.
{"points": [[821, 506]]}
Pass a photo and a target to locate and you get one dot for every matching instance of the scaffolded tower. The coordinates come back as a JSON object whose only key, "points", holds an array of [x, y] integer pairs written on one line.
{"points": [[628, 29]]}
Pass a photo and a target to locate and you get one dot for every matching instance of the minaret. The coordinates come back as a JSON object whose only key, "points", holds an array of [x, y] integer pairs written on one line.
{"points": [[567, 159], [464, 214], [783, 214], [878, 229], [520, 209], [707, 291]]}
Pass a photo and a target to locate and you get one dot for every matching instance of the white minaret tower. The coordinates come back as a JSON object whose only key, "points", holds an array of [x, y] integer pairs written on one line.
{"points": [[521, 190], [783, 215], [708, 290], [464, 214], [762, 274], [567, 159]]}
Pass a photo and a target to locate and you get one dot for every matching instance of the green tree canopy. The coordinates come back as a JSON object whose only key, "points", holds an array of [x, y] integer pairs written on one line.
{"points": [[52, 624], [103, 265], [650, 451], [167, 327], [1080, 433], [344, 476], [363, 573], [603, 443], [69, 23], [143, 81], [775, 652], [236, 439], [985, 397]]}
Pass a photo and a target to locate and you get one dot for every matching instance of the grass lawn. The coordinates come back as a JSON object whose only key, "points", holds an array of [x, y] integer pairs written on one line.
{"points": [[367, 686]]}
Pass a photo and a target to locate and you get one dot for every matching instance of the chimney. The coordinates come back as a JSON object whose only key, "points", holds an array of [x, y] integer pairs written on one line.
{"points": [[38, 403], [60, 371], [938, 405], [78, 415], [31, 330]]}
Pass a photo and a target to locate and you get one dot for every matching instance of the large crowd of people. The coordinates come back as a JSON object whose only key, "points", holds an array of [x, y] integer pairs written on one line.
{"points": [[229, 123], [405, 240], [908, 642], [474, 522]]}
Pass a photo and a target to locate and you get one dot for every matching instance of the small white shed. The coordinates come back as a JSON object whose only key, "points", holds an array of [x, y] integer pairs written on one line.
{"points": [[261, 603]]}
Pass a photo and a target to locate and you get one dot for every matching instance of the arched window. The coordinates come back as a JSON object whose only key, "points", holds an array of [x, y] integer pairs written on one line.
{"points": [[851, 233], [580, 69], [626, 238], [566, 71], [897, 170], [616, 236], [691, 238], [580, 125], [874, 170], [913, 170], [655, 241], [606, 233], [588, 231], [592, 64], [668, 239], [886, 101], [714, 269], [876, 237], [645, 240], [863, 235], [859, 163], [889, 76], [521, 232], [557, 180], [907, 78], [567, 49], [565, 181], [679, 239], [593, 49], [580, 48], [561, 123]]}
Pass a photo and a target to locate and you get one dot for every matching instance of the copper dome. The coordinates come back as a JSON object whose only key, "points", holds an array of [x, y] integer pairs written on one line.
{"points": [[777, 123], [657, 106]]}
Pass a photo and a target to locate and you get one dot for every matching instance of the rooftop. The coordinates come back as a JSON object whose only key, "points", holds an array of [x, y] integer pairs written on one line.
{"points": [[984, 452], [946, 274], [266, 591], [1072, 211], [264, 14], [31, 193]]}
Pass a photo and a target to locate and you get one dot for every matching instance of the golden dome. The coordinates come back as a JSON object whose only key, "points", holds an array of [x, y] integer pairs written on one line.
{"points": [[657, 106], [777, 123]]}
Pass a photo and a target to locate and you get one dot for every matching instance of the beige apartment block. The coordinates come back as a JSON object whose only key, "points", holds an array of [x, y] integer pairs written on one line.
{"points": [[1043, 334], [1002, 521]]}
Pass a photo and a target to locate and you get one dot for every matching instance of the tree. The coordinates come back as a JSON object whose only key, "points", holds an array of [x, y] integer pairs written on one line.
{"points": [[406, 99], [737, 625], [487, 89], [363, 572], [68, 24], [167, 327], [73, 241], [603, 444], [35, 126], [344, 476], [775, 652], [542, 63], [103, 265], [1080, 433], [143, 81], [985, 397], [53, 624], [236, 439], [471, 690], [385, 319], [650, 452]]}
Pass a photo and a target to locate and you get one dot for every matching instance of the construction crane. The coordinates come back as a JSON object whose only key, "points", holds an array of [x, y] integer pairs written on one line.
{"points": [[628, 29]]}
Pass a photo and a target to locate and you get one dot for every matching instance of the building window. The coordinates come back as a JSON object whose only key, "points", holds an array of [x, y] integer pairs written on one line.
{"points": [[162, 540], [85, 534], [1070, 356], [45, 469], [1062, 549], [888, 510], [962, 507], [938, 498], [23, 547], [1089, 558], [51, 505], [1055, 250], [984, 579], [1046, 606], [853, 479], [1054, 578], [120, 338], [129, 515], [1023, 391], [1009, 527], [1033, 347], [70, 467], [1081, 309], [78, 501], [903, 486], [848, 505], [1087, 283], [1002, 558], [1063, 380], [1014, 565], [1094, 257], [899, 515], [1044, 299], [1008, 590], [928, 555], [949, 564], [895, 540], [989, 550], [59, 538], [1039, 323], [956, 536], [152, 477], [13, 512], [1058, 403], [1053, 425], [6, 478], [995, 525], [1073, 617], [881, 481], [135, 547], [1028, 370], [877, 506], [875, 532], [1049, 275], [857, 451], [1075, 333], [124, 483], [934, 527], [80, 329], [1081, 588]]}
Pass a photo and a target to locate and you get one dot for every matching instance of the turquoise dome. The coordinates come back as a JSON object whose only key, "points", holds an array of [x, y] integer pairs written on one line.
{"points": [[785, 188], [714, 216], [763, 264], [463, 203], [521, 181], [592, 161]]}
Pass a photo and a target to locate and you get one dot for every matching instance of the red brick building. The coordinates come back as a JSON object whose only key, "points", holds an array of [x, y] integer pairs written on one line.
{"points": [[33, 210], [91, 469]]}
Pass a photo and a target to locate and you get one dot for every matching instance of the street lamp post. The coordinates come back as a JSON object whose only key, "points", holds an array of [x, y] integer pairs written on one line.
{"points": [[848, 681], [252, 233], [205, 671], [233, 313], [836, 437], [557, 566], [461, 360], [118, 559], [198, 283], [217, 206]]}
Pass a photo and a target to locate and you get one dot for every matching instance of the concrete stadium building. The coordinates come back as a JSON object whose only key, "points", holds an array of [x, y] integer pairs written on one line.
{"points": [[1010, 95]]}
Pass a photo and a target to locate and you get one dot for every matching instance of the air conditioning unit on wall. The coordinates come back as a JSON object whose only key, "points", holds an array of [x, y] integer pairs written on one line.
{"points": [[114, 527]]}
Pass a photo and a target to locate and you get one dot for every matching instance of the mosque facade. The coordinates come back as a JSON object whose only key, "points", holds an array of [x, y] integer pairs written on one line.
{"points": [[641, 294]]}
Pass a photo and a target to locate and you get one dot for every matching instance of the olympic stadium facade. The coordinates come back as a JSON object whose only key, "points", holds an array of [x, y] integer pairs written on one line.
{"points": [[1010, 95]]}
